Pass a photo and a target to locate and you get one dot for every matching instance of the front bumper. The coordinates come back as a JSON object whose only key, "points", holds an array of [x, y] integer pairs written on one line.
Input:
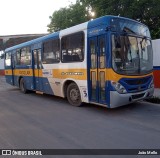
{"points": [[117, 99]]}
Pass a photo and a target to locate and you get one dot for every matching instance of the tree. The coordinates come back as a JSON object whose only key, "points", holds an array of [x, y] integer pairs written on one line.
{"points": [[145, 11], [67, 17]]}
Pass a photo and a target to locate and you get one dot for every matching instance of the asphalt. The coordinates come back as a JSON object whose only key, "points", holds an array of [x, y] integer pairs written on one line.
{"points": [[46, 122]]}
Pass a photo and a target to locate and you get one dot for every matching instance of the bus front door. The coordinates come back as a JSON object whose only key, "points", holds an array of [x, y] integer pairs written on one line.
{"points": [[97, 67], [37, 71]]}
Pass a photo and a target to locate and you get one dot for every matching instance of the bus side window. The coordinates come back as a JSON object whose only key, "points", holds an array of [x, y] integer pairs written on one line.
{"points": [[8, 59], [23, 56], [18, 57], [73, 47], [51, 51], [102, 52], [93, 54]]}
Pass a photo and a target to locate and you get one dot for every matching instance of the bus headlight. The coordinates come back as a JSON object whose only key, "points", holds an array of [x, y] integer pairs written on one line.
{"points": [[118, 87]]}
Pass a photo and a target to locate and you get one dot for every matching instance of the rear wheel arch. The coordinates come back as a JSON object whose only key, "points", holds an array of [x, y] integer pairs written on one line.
{"points": [[22, 85], [73, 94], [65, 86]]}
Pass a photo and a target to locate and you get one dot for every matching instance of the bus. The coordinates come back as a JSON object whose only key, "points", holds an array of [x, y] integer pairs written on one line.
{"points": [[107, 61]]}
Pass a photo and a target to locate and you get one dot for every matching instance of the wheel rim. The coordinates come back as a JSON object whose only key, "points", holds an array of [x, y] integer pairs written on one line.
{"points": [[74, 94]]}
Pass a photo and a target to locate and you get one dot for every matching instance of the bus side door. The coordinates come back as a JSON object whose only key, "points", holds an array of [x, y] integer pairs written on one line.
{"points": [[37, 70], [9, 67], [97, 69]]}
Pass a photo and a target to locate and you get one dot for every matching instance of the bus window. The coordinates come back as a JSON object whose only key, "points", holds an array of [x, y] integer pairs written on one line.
{"points": [[51, 52], [102, 52], [8, 59], [23, 56], [93, 54], [73, 47], [18, 53]]}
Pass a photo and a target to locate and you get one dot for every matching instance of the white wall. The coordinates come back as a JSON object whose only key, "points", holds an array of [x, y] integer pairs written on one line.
{"points": [[1, 64], [156, 52]]}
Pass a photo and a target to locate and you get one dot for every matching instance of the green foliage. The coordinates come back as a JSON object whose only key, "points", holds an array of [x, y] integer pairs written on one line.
{"points": [[145, 11], [67, 17]]}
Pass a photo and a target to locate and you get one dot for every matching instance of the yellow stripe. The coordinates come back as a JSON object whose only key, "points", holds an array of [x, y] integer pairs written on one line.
{"points": [[111, 75], [77, 74], [38, 73], [23, 72], [8, 72]]}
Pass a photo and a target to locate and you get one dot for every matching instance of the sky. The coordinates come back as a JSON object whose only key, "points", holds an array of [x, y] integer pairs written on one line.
{"points": [[28, 16]]}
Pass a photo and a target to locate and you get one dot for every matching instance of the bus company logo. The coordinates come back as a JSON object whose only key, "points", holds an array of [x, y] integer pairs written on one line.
{"points": [[47, 73], [72, 73], [95, 31]]}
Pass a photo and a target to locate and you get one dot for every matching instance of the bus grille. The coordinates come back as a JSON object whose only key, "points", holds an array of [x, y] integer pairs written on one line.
{"points": [[136, 84], [138, 81], [137, 96]]}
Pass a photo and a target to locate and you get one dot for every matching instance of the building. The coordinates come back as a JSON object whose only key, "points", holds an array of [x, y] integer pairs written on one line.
{"points": [[11, 40], [156, 62]]}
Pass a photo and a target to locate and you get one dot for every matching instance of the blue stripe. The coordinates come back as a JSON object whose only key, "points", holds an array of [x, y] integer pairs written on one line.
{"points": [[156, 67]]}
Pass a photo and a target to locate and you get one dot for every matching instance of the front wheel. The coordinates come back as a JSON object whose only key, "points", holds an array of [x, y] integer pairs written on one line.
{"points": [[22, 86], [73, 95]]}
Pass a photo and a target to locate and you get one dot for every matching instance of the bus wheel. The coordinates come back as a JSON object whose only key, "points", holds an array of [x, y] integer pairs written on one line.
{"points": [[73, 95], [22, 86]]}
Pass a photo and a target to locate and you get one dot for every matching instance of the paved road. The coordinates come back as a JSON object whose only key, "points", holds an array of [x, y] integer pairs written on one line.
{"points": [[44, 121]]}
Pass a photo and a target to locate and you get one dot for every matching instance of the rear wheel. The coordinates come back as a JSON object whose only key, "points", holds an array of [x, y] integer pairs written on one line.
{"points": [[73, 95], [22, 86]]}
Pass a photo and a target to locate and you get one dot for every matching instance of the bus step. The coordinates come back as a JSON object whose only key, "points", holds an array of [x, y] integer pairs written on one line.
{"points": [[39, 92]]}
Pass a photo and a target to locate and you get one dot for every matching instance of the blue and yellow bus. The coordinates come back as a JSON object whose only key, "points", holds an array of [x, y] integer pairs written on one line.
{"points": [[107, 61]]}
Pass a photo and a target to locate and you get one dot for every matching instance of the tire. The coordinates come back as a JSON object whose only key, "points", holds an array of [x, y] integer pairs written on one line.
{"points": [[22, 86], [73, 95]]}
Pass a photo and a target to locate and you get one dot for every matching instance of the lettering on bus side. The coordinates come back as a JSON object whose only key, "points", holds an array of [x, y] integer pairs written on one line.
{"points": [[24, 73], [72, 73]]}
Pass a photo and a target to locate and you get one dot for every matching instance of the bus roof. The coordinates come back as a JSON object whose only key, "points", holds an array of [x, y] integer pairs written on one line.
{"points": [[104, 20]]}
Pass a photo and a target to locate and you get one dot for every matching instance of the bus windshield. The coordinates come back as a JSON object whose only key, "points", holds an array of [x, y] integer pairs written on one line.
{"points": [[133, 27], [131, 55]]}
